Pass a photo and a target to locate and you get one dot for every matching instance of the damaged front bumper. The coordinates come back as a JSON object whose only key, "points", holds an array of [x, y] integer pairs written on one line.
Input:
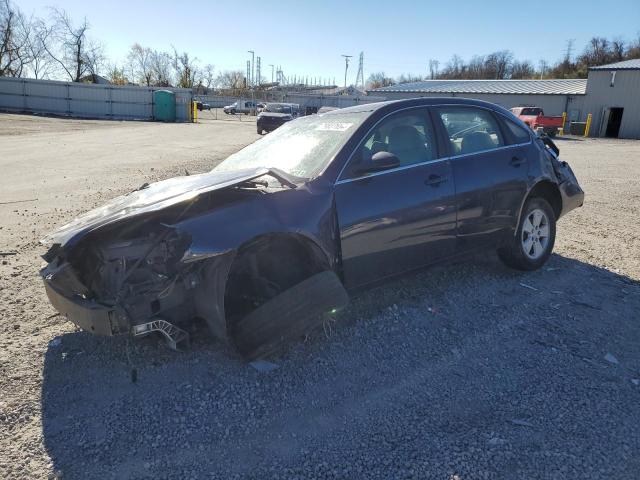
{"points": [[89, 315]]}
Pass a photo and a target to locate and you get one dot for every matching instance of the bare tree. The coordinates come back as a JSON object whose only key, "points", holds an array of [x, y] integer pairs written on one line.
{"points": [[140, 60], [498, 64], [524, 69], [231, 79], [409, 78], [117, 75], [186, 69], [433, 68], [618, 48], [379, 80], [71, 42], [14, 54], [72, 50], [161, 68], [454, 68], [94, 57], [634, 48], [39, 34], [207, 76]]}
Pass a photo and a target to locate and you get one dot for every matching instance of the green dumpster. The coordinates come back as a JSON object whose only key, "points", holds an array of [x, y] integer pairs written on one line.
{"points": [[164, 106]]}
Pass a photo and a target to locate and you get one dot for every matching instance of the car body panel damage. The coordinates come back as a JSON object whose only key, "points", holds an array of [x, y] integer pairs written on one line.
{"points": [[153, 197], [350, 197]]}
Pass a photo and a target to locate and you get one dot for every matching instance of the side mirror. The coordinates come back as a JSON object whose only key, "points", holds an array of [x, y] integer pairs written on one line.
{"points": [[379, 162]]}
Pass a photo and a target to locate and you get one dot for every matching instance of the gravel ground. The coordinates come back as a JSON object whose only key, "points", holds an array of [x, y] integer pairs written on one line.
{"points": [[466, 371]]}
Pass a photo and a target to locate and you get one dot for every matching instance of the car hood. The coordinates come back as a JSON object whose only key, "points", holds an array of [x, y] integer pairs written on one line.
{"points": [[149, 198]]}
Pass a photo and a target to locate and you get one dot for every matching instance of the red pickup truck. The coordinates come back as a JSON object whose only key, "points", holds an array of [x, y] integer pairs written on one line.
{"points": [[535, 118]]}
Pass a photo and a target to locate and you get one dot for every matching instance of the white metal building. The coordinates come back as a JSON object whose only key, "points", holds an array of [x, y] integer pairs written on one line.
{"points": [[554, 96], [613, 98], [611, 93]]}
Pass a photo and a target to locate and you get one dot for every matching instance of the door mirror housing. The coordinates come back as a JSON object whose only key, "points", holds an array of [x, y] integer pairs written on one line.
{"points": [[380, 161]]}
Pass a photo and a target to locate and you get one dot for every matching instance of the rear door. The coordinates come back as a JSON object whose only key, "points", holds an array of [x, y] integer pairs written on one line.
{"points": [[398, 219], [490, 173]]}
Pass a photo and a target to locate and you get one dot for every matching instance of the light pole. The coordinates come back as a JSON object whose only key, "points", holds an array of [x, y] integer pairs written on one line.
{"points": [[271, 73], [346, 67], [253, 57]]}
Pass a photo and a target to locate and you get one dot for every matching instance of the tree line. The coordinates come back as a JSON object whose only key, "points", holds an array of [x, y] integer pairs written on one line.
{"points": [[59, 47], [502, 65]]}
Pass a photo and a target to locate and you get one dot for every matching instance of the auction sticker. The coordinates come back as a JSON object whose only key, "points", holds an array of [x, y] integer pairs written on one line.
{"points": [[334, 126]]}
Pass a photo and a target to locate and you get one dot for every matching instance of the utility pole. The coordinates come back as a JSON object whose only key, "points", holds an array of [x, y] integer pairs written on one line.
{"points": [[271, 65], [253, 56], [346, 67], [258, 72]]}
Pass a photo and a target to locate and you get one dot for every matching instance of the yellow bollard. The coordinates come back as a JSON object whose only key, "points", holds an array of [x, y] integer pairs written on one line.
{"points": [[195, 112], [588, 125], [564, 120]]}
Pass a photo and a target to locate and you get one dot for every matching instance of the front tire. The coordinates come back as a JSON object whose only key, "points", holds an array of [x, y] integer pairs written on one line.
{"points": [[534, 239]]}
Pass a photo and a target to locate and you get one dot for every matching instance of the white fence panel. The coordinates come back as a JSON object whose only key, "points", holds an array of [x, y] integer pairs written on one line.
{"points": [[86, 100]]}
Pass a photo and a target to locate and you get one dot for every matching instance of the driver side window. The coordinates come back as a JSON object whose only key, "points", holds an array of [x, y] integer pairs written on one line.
{"points": [[407, 135]]}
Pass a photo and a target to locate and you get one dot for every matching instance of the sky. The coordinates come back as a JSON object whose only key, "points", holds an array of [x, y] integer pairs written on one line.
{"points": [[309, 37]]}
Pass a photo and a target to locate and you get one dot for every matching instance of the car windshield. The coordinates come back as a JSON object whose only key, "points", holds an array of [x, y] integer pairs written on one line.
{"points": [[531, 111], [302, 148], [278, 108]]}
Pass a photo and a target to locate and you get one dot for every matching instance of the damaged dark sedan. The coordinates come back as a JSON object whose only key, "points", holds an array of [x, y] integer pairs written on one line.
{"points": [[270, 241]]}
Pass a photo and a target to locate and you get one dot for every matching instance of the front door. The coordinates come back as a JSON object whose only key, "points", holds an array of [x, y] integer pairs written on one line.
{"points": [[399, 219]]}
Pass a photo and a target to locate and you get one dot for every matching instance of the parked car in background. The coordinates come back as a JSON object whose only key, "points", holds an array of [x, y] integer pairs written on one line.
{"points": [[274, 115], [535, 118], [241, 106], [202, 106], [269, 242]]}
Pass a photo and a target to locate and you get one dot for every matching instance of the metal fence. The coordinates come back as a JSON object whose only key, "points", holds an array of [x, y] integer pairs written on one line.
{"points": [[85, 100], [305, 100]]}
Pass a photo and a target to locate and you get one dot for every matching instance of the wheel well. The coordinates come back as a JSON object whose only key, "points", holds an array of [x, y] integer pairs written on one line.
{"points": [[268, 265], [549, 191]]}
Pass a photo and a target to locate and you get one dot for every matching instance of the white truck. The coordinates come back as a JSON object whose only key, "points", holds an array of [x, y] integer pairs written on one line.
{"points": [[241, 106]]}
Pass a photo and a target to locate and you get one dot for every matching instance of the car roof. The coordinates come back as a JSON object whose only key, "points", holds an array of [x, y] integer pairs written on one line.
{"points": [[416, 102]]}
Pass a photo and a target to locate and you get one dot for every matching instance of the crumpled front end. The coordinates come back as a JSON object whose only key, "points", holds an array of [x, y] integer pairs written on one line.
{"points": [[123, 285]]}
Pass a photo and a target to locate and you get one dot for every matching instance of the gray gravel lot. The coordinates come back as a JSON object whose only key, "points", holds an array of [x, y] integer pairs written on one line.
{"points": [[465, 371]]}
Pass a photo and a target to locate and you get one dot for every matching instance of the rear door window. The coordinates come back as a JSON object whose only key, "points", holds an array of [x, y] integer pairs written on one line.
{"points": [[471, 129]]}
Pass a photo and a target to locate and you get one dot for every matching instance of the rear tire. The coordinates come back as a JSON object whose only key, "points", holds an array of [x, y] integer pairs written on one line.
{"points": [[534, 239], [259, 131]]}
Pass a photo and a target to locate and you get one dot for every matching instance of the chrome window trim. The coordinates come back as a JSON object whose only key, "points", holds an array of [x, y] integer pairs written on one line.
{"points": [[341, 181], [392, 170]]}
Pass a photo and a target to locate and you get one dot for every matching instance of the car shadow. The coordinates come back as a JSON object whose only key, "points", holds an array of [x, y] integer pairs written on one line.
{"points": [[204, 412]]}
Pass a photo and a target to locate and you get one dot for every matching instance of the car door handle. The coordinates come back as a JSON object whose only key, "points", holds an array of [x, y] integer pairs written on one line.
{"points": [[516, 161], [435, 180]]}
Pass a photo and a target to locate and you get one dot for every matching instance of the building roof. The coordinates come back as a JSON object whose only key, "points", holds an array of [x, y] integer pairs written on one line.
{"points": [[536, 87], [626, 65]]}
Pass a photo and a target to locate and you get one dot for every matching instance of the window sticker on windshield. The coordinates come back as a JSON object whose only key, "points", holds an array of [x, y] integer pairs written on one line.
{"points": [[334, 126]]}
